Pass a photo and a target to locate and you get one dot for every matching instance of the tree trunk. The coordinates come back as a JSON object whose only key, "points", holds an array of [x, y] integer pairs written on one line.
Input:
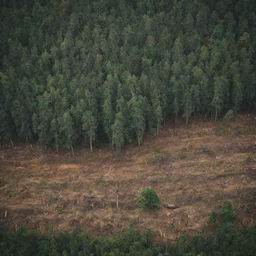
{"points": [[72, 150], [138, 141], [117, 195], [11, 142], [117, 200], [91, 143]]}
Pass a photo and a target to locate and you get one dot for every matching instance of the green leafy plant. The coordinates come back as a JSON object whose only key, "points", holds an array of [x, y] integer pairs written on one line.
{"points": [[225, 215], [149, 199], [229, 116], [228, 239]]}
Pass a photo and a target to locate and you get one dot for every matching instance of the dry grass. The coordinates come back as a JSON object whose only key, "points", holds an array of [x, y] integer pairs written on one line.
{"points": [[196, 168]]}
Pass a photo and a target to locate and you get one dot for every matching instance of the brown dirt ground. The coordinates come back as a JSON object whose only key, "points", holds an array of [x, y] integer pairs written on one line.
{"points": [[197, 168]]}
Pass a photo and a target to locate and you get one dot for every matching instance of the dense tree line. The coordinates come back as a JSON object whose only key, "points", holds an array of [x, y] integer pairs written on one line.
{"points": [[77, 72], [226, 238]]}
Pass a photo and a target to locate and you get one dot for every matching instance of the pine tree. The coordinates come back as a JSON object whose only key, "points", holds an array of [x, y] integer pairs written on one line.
{"points": [[118, 138], [155, 98], [176, 97], [55, 61], [136, 108], [218, 97], [237, 90], [108, 108], [68, 131], [188, 107], [55, 132], [89, 126]]}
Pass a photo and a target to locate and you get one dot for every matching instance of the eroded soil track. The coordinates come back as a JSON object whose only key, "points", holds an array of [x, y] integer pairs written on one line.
{"points": [[195, 168]]}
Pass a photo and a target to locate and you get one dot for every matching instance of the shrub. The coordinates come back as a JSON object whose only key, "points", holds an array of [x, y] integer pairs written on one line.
{"points": [[149, 199], [229, 116], [225, 215]]}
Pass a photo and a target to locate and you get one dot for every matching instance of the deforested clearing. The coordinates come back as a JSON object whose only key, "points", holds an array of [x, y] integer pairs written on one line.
{"points": [[195, 168]]}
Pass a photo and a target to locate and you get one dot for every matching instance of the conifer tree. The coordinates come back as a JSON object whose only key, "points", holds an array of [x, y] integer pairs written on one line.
{"points": [[218, 97], [136, 106], [108, 108], [89, 126], [118, 138], [157, 117], [68, 131], [185, 58]]}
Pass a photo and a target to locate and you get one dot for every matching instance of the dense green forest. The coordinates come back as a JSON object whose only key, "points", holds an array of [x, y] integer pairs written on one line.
{"points": [[226, 238], [78, 72]]}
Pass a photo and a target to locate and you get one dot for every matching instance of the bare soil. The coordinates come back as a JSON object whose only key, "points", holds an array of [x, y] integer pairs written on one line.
{"points": [[196, 168]]}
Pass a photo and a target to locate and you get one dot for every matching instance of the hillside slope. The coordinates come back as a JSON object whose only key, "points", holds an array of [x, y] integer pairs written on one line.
{"points": [[196, 168]]}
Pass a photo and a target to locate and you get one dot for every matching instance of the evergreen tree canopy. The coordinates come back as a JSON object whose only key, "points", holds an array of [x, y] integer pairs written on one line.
{"points": [[77, 72]]}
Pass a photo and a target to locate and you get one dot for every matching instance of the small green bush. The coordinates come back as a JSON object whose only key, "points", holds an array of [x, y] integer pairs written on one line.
{"points": [[227, 239], [229, 116], [149, 199], [225, 215]]}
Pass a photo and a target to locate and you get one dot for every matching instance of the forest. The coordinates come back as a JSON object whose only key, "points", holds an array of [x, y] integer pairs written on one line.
{"points": [[225, 238], [82, 72]]}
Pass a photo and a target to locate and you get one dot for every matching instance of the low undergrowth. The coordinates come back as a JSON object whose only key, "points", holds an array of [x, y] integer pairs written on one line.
{"points": [[225, 238]]}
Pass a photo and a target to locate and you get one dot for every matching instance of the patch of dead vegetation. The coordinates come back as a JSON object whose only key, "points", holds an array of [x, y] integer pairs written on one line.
{"points": [[195, 168]]}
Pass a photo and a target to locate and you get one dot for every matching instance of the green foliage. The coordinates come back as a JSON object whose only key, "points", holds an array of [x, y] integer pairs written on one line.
{"points": [[137, 106], [118, 132], [225, 215], [213, 216], [227, 239], [89, 126], [149, 199], [66, 77], [129, 242], [229, 116]]}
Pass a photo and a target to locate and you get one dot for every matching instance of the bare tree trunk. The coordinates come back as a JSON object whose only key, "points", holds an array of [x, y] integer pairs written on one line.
{"points": [[91, 144], [139, 141], [157, 129], [117, 195], [175, 118], [11, 142], [117, 201], [72, 150]]}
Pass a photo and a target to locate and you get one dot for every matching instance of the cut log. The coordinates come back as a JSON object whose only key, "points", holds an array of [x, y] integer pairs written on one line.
{"points": [[171, 206]]}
